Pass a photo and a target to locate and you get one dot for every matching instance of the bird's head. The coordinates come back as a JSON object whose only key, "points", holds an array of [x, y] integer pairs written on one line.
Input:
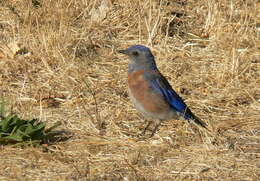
{"points": [[139, 55]]}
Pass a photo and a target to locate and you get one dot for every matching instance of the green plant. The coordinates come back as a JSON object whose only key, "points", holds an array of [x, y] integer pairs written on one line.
{"points": [[14, 129]]}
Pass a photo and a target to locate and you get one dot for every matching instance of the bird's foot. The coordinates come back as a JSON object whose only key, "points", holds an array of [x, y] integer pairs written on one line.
{"points": [[142, 134]]}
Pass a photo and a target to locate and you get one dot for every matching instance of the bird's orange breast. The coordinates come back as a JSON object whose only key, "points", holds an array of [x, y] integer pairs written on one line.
{"points": [[140, 90]]}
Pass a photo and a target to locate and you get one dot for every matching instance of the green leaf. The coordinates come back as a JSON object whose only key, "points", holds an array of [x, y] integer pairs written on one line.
{"points": [[30, 130], [12, 138], [6, 122]]}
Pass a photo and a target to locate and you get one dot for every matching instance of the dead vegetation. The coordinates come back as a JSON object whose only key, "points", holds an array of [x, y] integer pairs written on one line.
{"points": [[58, 62]]}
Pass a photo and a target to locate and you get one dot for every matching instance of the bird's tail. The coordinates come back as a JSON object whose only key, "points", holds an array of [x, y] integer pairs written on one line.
{"points": [[188, 115], [198, 121]]}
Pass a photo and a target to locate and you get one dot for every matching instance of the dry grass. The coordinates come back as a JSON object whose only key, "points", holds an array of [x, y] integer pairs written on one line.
{"points": [[58, 63]]}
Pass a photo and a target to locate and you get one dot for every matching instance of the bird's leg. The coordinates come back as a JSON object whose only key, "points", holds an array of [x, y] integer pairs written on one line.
{"points": [[145, 129], [155, 129]]}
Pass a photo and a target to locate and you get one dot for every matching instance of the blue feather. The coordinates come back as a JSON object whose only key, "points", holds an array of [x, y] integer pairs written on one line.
{"points": [[160, 85], [171, 97]]}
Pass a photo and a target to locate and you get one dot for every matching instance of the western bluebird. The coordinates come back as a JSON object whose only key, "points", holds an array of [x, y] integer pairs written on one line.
{"points": [[151, 93]]}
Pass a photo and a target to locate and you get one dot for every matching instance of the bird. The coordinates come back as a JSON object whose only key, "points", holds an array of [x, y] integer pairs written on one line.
{"points": [[151, 93]]}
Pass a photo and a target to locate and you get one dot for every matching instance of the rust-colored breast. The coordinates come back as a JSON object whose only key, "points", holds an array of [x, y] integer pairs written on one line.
{"points": [[140, 90]]}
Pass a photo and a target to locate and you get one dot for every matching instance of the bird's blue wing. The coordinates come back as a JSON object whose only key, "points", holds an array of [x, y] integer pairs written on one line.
{"points": [[170, 96], [161, 86]]}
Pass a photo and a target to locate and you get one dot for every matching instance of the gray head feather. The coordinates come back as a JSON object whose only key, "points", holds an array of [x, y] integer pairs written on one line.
{"points": [[141, 58]]}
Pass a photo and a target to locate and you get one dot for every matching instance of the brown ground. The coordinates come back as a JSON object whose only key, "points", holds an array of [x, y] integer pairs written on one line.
{"points": [[58, 62]]}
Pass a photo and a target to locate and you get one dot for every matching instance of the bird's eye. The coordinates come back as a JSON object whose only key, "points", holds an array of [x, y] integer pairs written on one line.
{"points": [[135, 53]]}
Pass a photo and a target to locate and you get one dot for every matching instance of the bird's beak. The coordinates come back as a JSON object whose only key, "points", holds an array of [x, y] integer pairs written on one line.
{"points": [[122, 51]]}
